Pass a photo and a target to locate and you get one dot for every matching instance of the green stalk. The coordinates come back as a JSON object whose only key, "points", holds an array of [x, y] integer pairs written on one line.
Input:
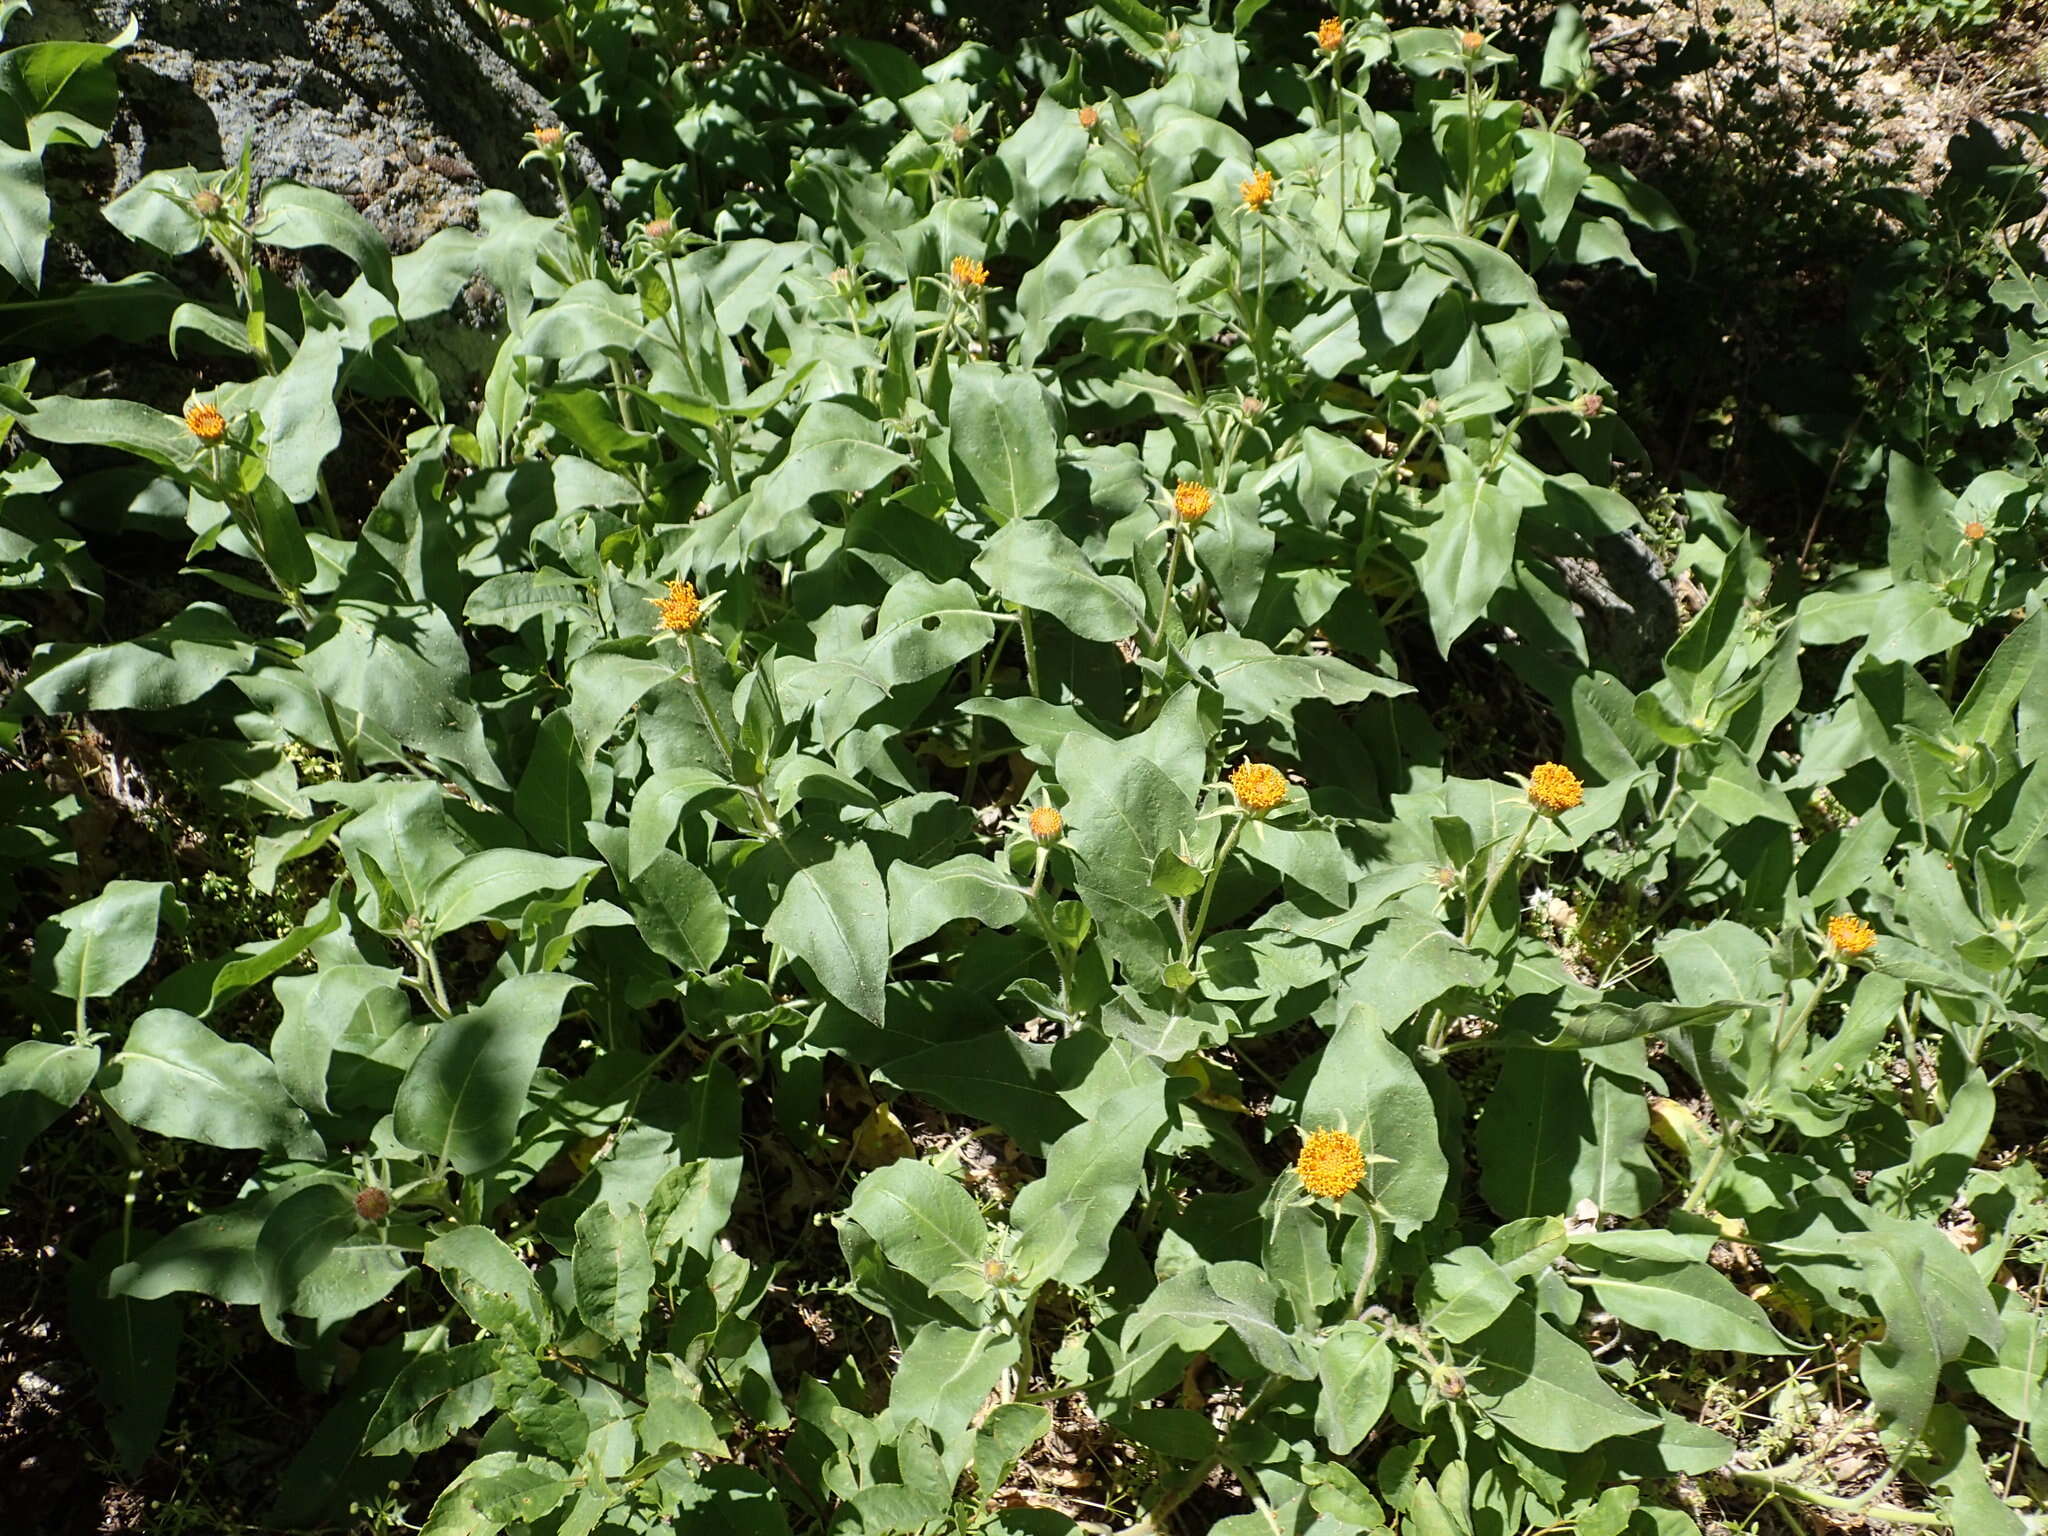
{"points": [[1194, 939]]}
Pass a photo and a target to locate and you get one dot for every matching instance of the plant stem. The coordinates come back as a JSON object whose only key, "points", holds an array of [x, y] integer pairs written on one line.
{"points": [[1194, 939], [1370, 1272], [1166, 596], [1477, 914], [1768, 1483]]}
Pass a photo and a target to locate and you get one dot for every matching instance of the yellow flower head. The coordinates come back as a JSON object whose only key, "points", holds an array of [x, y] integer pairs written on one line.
{"points": [[1471, 42], [205, 423], [1191, 501], [1330, 34], [1258, 786], [969, 273], [1258, 191], [1973, 531], [1850, 935], [1046, 823], [680, 610], [547, 138], [1331, 1164], [1088, 117], [1554, 788]]}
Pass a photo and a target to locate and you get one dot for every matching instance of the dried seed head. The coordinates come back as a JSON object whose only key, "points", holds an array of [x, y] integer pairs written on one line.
{"points": [[969, 273], [1554, 788], [1258, 786], [205, 423], [680, 610], [1331, 1164], [372, 1203], [1849, 935]]}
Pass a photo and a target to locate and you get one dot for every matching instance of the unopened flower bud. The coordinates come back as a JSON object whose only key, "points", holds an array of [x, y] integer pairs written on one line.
{"points": [[207, 203], [1589, 404], [659, 229], [1088, 117], [962, 133]]}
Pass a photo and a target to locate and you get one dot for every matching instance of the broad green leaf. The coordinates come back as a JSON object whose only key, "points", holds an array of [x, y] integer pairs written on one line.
{"points": [[296, 216], [1544, 1389], [613, 1271], [1692, 1304], [462, 1098], [1033, 565], [922, 901], [1355, 1369], [1064, 1220], [437, 1395], [39, 1082], [495, 1288], [927, 1225], [498, 883], [834, 916], [176, 1077], [1005, 458], [96, 947], [1367, 1085]]}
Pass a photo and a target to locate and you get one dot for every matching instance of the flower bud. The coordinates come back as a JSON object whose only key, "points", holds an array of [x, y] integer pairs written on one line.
{"points": [[1088, 117], [208, 203], [658, 230], [372, 1203], [1589, 404], [962, 134], [1471, 42]]}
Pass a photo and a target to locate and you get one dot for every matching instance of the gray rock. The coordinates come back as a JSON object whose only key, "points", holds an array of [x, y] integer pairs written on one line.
{"points": [[405, 107], [1626, 606]]}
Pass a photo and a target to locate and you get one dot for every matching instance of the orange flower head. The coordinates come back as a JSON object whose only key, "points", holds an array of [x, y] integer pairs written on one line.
{"points": [[1850, 935], [659, 229], [680, 609], [1046, 823], [1258, 191], [547, 138], [1088, 117], [969, 273], [1331, 1164], [1471, 42], [1191, 501], [1330, 34], [1258, 786], [1973, 531], [205, 423], [1554, 788]]}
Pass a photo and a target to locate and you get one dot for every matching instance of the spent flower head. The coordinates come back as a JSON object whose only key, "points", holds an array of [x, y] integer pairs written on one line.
{"points": [[1850, 935], [969, 273], [680, 611], [208, 204], [1258, 786], [1192, 501], [206, 423], [1258, 191], [372, 1203], [1331, 1163], [1554, 788]]}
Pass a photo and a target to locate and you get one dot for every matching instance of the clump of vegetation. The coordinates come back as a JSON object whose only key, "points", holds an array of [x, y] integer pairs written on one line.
{"points": [[954, 854]]}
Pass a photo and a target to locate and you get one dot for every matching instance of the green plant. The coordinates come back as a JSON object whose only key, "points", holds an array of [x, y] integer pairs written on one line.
{"points": [[969, 664]]}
